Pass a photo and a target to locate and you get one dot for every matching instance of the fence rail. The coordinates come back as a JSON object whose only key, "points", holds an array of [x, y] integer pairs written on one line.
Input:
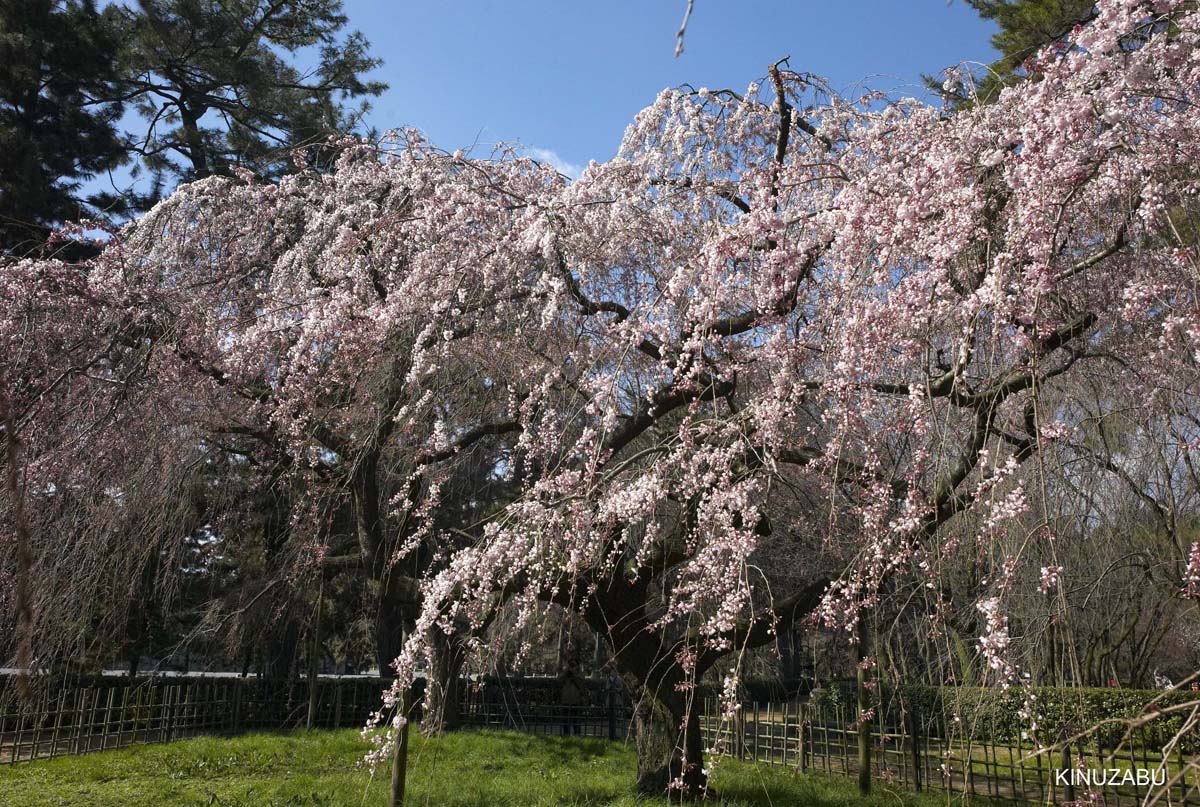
{"points": [[101, 714], [825, 740]]}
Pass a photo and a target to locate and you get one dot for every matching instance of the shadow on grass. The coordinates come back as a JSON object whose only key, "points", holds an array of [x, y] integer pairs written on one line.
{"points": [[560, 749], [597, 773]]}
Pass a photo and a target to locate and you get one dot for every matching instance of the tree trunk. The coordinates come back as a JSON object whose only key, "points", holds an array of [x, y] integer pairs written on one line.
{"points": [[279, 657], [280, 652], [443, 686], [314, 659], [391, 621], [669, 748], [195, 143]]}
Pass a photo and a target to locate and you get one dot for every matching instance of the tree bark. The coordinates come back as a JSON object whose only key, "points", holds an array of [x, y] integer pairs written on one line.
{"points": [[670, 752], [391, 619], [280, 652], [669, 748], [393, 622], [194, 142], [314, 659]]}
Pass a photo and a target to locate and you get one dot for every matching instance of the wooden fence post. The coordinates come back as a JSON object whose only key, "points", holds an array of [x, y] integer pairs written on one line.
{"points": [[126, 691], [1068, 765], [39, 715], [314, 653], [108, 718], [238, 687], [801, 709], [1183, 768], [754, 736], [611, 704], [58, 714], [77, 721], [170, 712]]}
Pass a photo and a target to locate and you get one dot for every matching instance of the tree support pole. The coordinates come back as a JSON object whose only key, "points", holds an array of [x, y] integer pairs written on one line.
{"points": [[864, 725], [400, 756]]}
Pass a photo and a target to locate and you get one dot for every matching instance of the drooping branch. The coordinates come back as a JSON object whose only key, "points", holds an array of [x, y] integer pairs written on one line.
{"points": [[765, 627], [24, 544]]}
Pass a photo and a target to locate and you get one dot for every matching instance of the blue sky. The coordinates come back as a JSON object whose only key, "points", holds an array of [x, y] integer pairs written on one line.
{"points": [[567, 76]]}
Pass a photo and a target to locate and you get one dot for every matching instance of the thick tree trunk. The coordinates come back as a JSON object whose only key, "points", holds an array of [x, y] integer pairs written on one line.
{"points": [[279, 657], [194, 149], [391, 621], [670, 751], [443, 686]]}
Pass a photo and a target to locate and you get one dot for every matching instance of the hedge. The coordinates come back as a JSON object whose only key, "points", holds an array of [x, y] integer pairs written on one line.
{"points": [[991, 713]]}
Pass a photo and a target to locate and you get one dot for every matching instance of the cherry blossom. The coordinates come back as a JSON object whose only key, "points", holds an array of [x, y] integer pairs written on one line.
{"points": [[774, 354]]}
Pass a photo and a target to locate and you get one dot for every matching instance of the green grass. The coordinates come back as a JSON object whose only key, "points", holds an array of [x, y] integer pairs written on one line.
{"points": [[465, 769]]}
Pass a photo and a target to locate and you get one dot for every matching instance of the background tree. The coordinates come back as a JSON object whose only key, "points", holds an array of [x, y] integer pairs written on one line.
{"points": [[59, 110], [1026, 27], [221, 84]]}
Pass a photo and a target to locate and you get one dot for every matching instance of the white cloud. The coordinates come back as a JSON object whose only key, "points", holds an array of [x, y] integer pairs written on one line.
{"points": [[560, 165]]}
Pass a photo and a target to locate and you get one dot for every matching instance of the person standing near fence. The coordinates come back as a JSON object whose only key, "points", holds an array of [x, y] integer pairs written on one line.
{"points": [[571, 697], [614, 687], [614, 697]]}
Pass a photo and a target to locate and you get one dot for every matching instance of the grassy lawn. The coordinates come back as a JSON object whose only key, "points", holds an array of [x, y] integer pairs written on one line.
{"points": [[467, 769]]}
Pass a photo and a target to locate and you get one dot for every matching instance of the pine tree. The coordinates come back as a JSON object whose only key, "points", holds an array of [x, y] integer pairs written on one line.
{"points": [[1025, 26], [218, 85], [57, 60]]}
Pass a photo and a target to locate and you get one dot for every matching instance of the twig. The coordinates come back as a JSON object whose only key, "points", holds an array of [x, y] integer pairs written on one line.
{"points": [[687, 13]]}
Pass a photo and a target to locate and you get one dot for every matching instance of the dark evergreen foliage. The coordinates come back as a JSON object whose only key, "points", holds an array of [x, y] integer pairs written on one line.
{"points": [[223, 83], [59, 110], [1025, 26], [216, 84]]}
